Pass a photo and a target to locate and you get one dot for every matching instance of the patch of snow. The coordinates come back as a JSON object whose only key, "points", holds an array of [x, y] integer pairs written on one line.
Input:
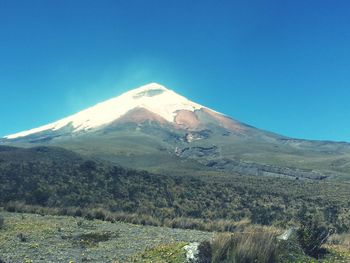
{"points": [[190, 137], [153, 97]]}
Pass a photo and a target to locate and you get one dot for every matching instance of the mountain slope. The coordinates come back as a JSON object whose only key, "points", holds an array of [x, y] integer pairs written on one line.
{"points": [[156, 129]]}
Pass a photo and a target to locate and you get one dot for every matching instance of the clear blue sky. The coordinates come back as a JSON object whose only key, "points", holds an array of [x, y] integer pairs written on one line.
{"points": [[278, 65]]}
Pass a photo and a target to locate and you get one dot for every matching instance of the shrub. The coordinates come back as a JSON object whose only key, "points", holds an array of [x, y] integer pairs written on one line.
{"points": [[22, 237], [99, 214], [88, 166], [78, 212], [39, 196], [311, 236], [204, 252], [2, 222], [261, 215], [89, 216]]}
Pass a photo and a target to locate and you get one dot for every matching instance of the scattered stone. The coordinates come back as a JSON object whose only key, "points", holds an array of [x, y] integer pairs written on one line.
{"points": [[287, 234], [192, 252]]}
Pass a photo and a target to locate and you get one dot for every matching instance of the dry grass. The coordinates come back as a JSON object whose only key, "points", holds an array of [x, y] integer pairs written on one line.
{"points": [[254, 244], [218, 225], [339, 247], [222, 247], [342, 240]]}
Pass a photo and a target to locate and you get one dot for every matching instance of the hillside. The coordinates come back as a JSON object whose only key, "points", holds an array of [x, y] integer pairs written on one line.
{"points": [[57, 179]]}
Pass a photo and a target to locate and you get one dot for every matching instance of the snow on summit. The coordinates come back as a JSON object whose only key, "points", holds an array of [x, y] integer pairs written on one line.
{"points": [[153, 97]]}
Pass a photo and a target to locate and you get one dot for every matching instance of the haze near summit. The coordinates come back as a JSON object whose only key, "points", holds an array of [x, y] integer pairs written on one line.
{"points": [[277, 66]]}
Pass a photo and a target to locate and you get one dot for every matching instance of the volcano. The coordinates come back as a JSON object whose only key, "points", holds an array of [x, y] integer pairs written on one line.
{"points": [[154, 128]]}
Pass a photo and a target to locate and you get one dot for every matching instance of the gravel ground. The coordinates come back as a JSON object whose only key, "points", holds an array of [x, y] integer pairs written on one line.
{"points": [[35, 238]]}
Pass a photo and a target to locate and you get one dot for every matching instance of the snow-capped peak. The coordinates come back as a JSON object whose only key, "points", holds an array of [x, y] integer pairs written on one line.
{"points": [[153, 97]]}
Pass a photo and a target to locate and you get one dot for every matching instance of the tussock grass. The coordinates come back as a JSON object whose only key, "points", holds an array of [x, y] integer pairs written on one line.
{"points": [[255, 244], [341, 240], [218, 225]]}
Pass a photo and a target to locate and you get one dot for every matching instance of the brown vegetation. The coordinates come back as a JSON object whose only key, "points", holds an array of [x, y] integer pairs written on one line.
{"points": [[255, 244]]}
